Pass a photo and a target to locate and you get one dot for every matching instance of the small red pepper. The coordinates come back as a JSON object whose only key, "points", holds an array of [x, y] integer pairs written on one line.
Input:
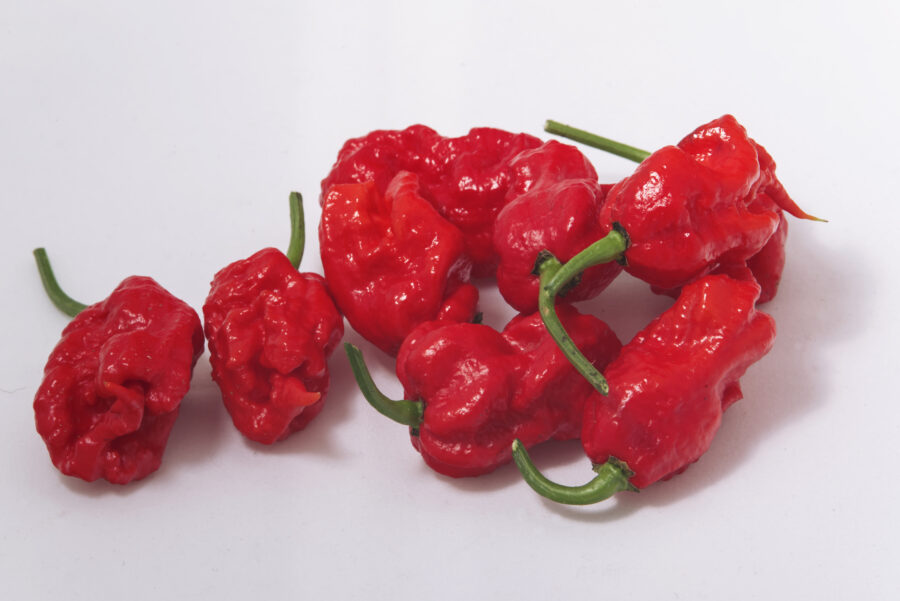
{"points": [[472, 390], [464, 178], [668, 389], [113, 385], [391, 261], [712, 202], [271, 330], [553, 205]]}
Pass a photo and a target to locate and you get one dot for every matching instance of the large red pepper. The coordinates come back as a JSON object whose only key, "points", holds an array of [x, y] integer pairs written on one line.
{"points": [[464, 178], [712, 202], [473, 390], [391, 260], [668, 389], [113, 385], [553, 205], [271, 330]]}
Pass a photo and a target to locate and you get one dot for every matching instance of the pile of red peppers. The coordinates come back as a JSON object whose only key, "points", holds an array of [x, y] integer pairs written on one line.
{"points": [[411, 220]]}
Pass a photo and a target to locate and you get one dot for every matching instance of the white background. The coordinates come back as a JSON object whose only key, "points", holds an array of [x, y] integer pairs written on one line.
{"points": [[163, 138]]}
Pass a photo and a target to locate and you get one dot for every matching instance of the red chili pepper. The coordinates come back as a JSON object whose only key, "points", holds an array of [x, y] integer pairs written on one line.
{"points": [[553, 205], [668, 389], [113, 384], [473, 390], [271, 330], [391, 261], [764, 268], [464, 178], [711, 202]]}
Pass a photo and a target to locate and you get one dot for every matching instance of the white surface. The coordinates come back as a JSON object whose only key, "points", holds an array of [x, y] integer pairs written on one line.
{"points": [[163, 138]]}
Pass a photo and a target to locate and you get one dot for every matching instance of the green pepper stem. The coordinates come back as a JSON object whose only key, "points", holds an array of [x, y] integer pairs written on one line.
{"points": [[612, 477], [585, 137], [298, 231], [554, 278], [408, 413], [60, 299]]}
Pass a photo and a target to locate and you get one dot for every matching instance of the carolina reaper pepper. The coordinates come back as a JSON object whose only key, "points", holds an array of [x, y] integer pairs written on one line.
{"points": [[391, 260], [472, 390], [553, 205], [271, 330], [113, 385], [464, 178], [668, 389], [712, 202]]}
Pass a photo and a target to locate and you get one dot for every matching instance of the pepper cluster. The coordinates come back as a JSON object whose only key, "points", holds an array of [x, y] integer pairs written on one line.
{"points": [[409, 219], [114, 383], [702, 221]]}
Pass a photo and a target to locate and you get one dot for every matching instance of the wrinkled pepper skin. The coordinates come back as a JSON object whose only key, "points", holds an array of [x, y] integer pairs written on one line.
{"points": [[464, 178], [113, 385], [271, 330], [392, 261], [670, 385], [713, 200], [482, 388], [552, 205]]}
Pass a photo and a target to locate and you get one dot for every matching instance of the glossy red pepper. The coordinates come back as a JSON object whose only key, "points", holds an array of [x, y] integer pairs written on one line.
{"points": [[113, 385], [472, 390], [668, 389], [271, 330], [553, 205], [712, 202], [391, 261], [464, 178]]}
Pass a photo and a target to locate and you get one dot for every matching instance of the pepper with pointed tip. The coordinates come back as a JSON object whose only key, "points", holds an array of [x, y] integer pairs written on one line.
{"points": [[271, 330], [710, 204], [114, 383], [472, 390], [669, 387]]}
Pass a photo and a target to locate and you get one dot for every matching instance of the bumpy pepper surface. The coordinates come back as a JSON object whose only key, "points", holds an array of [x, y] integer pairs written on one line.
{"points": [[691, 207], [668, 389], [391, 261], [464, 178], [711, 203], [473, 390], [113, 385], [553, 204], [271, 330]]}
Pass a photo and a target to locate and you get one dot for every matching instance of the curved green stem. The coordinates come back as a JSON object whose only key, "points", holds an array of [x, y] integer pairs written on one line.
{"points": [[585, 137], [555, 277], [408, 413], [60, 299], [612, 477], [298, 234]]}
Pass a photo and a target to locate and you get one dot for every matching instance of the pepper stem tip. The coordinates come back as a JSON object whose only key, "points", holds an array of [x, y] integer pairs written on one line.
{"points": [[60, 299], [298, 231]]}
